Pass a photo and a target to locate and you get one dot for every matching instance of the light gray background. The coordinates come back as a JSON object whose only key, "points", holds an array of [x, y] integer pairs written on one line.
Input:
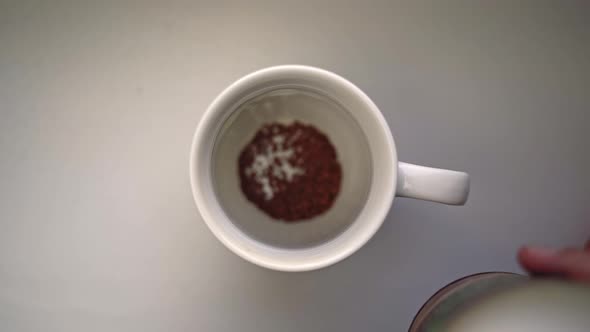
{"points": [[98, 101]]}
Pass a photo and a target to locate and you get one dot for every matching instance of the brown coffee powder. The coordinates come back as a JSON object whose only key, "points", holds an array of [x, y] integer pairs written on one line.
{"points": [[291, 172]]}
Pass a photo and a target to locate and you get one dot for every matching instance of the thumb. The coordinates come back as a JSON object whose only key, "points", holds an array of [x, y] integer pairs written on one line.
{"points": [[571, 263]]}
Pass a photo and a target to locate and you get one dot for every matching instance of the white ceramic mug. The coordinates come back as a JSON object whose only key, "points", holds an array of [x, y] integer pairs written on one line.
{"points": [[372, 175]]}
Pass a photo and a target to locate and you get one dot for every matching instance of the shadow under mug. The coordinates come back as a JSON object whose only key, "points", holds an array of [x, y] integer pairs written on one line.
{"points": [[371, 173]]}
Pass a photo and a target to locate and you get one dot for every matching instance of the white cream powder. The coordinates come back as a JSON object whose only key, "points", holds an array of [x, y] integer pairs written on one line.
{"points": [[273, 161]]}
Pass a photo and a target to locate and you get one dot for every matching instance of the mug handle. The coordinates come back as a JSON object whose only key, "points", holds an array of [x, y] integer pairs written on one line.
{"points": [[432, 184]]}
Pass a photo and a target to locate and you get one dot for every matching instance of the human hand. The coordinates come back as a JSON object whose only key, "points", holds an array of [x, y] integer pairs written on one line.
{"points": [[572, 264]]}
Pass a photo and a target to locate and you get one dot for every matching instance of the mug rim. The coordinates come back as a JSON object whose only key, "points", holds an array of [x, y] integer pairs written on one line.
{"points": [[380, 196]]}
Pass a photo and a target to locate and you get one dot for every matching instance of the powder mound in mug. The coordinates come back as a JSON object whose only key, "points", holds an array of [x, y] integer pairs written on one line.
{"points": [[291, 172]]}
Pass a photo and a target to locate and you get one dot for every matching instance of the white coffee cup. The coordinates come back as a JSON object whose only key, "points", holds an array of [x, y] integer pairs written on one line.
{"points": [[371, 173]]}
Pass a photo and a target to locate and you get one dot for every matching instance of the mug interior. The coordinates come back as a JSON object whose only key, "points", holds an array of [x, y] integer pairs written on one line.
{"points": [[286, 105], [354, 125]]}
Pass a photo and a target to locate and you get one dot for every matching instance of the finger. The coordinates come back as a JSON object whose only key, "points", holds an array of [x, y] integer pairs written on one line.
{"points": [[538, 260], [574, 264]]}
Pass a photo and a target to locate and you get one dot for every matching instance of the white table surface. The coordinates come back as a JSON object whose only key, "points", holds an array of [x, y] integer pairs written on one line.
{"points": [[99, 101]]}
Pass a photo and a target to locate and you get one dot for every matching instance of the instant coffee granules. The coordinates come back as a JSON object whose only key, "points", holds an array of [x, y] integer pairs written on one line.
{"points": [[291, 171]]}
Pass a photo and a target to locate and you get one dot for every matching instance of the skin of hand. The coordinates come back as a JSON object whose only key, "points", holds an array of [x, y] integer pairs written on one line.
{"points": [[569, 263]]}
